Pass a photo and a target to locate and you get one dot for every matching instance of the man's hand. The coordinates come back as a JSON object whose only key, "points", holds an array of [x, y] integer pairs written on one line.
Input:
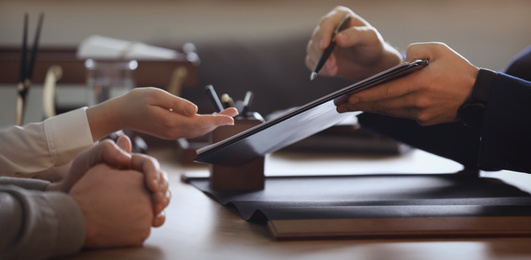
{"points": [[116, 207], [118, 155], [431, 95], [360, 50], [105, 152]]}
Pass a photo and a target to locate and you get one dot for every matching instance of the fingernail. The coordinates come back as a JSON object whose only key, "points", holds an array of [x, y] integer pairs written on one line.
{"points": [[159, 219], [120, 142], [231, 122]]}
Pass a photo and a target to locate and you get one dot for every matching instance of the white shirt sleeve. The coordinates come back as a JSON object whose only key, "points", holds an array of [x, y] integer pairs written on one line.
{"points": [[40, 146]]}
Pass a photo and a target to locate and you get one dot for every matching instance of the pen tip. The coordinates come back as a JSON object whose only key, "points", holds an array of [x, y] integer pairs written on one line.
{"points": [[313, 76]]}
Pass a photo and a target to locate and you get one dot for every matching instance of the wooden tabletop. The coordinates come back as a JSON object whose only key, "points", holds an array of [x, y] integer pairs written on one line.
{"points": [[197, 227]]}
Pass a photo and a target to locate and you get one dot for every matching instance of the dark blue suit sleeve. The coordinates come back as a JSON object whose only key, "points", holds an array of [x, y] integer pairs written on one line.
{"points": [[504, 141], [520, 66], [506, 132]]}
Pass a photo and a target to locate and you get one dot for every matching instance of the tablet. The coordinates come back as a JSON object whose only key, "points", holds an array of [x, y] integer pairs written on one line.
{"points": [[294, 125]]}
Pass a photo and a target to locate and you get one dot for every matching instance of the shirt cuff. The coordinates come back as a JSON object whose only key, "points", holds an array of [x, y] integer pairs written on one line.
{"points": [[68, 135]]}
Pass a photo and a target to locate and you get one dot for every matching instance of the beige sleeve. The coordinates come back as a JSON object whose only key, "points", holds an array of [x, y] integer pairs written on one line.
{"points": [[40, 146]]}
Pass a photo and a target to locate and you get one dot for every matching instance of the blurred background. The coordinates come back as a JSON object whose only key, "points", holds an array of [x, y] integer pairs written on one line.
{"points": [[243, 43]]}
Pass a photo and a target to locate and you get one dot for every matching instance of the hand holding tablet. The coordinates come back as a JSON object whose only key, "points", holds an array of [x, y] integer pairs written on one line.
{"points": [[296, 124]]}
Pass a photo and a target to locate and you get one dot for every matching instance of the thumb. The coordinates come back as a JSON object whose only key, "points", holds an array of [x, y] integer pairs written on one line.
{"points": [[124, 143], [105, 152], [417, 51]]}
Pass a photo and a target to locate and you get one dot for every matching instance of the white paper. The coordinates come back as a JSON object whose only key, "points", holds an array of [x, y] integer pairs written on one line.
{"points": [[101, 47]]}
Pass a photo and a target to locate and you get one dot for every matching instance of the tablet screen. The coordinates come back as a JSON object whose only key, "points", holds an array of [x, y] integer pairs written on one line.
{"points": [[294, 125]]}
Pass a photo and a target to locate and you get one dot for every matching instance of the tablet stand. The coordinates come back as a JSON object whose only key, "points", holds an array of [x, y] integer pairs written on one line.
{"points": [[246, 177]]}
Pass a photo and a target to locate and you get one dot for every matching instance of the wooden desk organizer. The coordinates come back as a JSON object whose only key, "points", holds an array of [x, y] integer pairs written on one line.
{"points": [[247, 177]]}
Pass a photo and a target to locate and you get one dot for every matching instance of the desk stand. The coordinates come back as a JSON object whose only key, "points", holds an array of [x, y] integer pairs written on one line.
{"points": [[247, 177]]}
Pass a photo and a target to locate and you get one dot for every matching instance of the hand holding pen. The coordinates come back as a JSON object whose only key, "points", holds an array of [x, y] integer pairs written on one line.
{"points": [[360, 50], [340, 27]]}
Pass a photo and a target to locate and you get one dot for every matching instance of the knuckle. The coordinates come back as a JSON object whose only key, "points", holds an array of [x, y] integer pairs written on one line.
{"points": [[342, 9], [423, 116], [163, 175], [374, 34], [168, 123], [155, 93], [422, 123], [308, 62], [421, 103], [440, 45], [380, 109], [422, 119], [142, 236]]}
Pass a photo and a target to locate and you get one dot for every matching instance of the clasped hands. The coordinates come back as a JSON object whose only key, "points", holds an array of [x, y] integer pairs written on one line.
{"points": [[120, 194]]}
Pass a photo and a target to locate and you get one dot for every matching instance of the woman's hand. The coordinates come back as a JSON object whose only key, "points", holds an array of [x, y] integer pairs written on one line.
{"points": [[155, 112]]}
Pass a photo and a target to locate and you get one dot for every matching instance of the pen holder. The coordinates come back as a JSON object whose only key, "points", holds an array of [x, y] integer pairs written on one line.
{"points": [[247, 177]]}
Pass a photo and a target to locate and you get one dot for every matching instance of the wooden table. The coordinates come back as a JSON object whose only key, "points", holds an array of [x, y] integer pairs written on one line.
{"points": [[197, 227]]}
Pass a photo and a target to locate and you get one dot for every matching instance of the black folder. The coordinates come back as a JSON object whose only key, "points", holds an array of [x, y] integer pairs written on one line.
{"points": [[383, 205]]}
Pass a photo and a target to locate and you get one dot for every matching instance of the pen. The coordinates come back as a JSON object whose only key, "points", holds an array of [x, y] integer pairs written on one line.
{"points": [[341, 26], [213, 96], [247, 102]]}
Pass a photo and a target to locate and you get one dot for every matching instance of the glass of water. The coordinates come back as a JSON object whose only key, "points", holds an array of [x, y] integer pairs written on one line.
{"points": [[107, 79]]}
